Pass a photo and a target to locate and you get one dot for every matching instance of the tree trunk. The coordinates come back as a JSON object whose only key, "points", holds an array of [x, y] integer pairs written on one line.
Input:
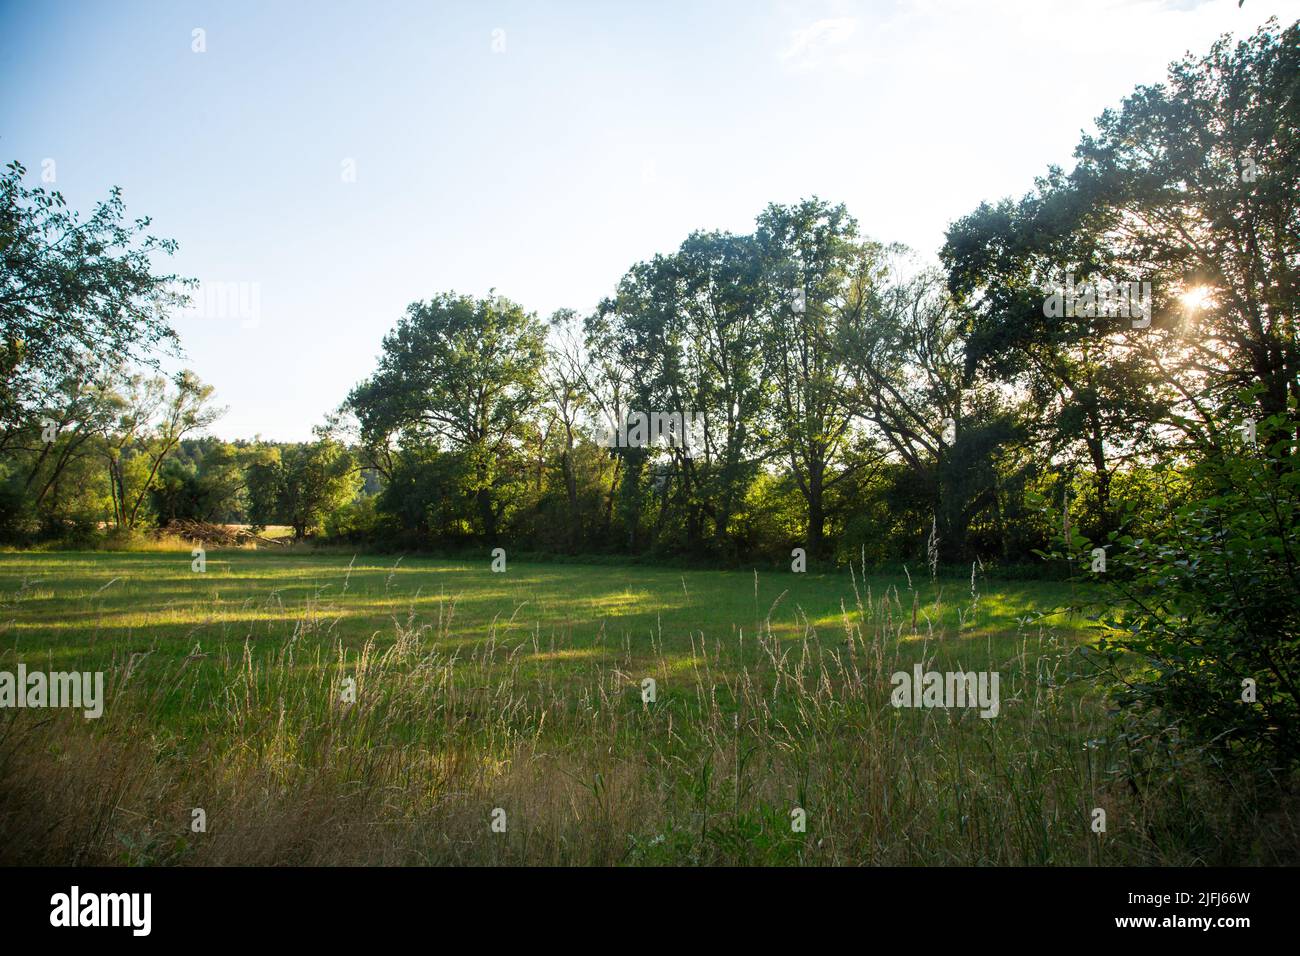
{"points": [[487, 514], [571, 489], [816, 512]]}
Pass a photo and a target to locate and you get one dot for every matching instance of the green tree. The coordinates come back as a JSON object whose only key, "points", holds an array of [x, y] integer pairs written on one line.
{"points": [[1191, 187], [73, 291], [946, 427], [1195, 181], [685, 332], [1202, 645], [209, 489], [316, 479], [152, 416], [300, 485], [462, 375], [821, 279], [1090, 396]]}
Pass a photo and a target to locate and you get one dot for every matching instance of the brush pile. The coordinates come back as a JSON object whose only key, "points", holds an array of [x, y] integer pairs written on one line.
{"points": [[217, 535]]}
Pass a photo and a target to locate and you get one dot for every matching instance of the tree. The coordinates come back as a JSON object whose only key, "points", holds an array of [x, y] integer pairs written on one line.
{"points": [[1203, 638], [1094, 399], [149, 424], [685, 333], [212, 488], [1192, 188], [724, 302], [567, 397], [1198, 183], [67, 415], [263, 480], [945, 427], [316, 478], [299, 485], [821, 279], [73, 291], [464, 375], [638, 335]]}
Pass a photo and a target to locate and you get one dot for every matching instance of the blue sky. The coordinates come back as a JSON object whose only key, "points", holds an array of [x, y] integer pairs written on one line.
{"points": [[537, 148]]}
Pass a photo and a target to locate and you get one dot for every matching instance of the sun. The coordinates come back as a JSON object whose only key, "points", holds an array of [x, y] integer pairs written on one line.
{"points": [[1196, 298]]}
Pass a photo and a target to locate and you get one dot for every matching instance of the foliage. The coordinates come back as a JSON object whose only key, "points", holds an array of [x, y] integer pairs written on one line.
{"points": [[73, 291], [301, 485], [1205, 641]]}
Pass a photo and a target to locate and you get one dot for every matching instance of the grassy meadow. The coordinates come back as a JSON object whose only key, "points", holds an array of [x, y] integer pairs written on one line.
{"points": [[516, 698]]}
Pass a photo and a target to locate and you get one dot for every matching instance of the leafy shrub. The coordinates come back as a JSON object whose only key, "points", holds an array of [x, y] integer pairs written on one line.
{"points": [[1204, 639], [353, 522]]}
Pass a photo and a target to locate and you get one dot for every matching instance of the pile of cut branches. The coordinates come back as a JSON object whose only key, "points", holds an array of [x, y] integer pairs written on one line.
{"points": [[217, 535]]}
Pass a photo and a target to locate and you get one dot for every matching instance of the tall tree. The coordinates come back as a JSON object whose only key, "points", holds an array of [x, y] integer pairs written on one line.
{"points": [[1197, 182], [723, 304], [73, 291], [1191, 186], [640, 334], [821, 278], [1094, 398], [686, 333], [567, 398], [911, 387], [151, 420], [461, 374]]}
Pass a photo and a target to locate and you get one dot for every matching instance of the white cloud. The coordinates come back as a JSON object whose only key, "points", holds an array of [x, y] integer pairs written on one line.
{"points": [[817, 44]]}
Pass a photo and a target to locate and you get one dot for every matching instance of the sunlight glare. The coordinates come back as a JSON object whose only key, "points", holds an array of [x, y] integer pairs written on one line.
{"points": [[1196, 298]]}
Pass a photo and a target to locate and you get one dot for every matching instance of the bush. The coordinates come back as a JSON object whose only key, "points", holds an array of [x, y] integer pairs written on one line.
{"points": [[356, 521], [1204, 642], [18, 525]]}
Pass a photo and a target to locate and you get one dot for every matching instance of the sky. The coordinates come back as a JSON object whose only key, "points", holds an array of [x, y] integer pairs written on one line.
{"points": [[324, 164]]}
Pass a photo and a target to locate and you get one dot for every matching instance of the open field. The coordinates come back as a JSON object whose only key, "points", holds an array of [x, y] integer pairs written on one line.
{"points": [[88, 608], [228, 690]]}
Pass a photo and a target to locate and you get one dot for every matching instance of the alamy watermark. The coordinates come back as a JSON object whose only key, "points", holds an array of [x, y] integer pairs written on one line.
{"points": [[1101, 298], [684, 430], [76, 908], [36, 689], [946, 690], [226, 300]]}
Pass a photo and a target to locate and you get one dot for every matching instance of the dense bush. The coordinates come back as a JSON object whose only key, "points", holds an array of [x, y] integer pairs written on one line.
{"points": [[1204, 643]]}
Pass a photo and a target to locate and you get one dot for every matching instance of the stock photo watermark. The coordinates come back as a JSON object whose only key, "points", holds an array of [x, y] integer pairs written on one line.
{"points": [[1101, 298], [82, 690], [678, 430], [225, 301], [77, 909], [947, 690]]}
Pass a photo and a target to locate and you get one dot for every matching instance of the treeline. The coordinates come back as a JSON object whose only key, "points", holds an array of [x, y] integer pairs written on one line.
{"points": [[1080, 349], [824, 373], [849, 400]]}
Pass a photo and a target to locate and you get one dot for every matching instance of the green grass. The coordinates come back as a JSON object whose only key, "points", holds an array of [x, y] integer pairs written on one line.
{"points": [[95, 610], [84, 608], [522, 690]]}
